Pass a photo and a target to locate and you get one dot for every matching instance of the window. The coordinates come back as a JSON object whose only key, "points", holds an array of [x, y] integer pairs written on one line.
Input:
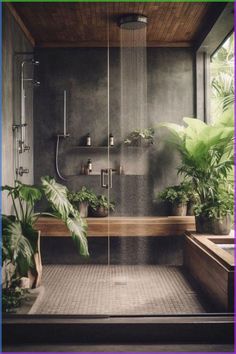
{"points": [[222, 78]]}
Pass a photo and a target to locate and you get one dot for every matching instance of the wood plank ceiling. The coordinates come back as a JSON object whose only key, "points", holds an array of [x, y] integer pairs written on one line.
{"points": [[86, 24]]}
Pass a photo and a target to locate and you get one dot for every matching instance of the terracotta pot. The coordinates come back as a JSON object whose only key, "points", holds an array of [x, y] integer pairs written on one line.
{"points": [[83, 209], [100, 212], [179, 209], [213, 226]]}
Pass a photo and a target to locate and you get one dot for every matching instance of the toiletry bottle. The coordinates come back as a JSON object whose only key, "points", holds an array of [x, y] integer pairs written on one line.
{"points": [[88, 140], [121, 170], [82, 171], [111, 140], [89, 166]]}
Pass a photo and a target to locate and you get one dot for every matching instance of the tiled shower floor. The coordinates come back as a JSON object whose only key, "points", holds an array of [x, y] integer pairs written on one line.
{"points": [[117, 290]]}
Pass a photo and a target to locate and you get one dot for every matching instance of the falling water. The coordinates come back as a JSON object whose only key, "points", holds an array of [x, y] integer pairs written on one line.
{"points": [[133, 61]]}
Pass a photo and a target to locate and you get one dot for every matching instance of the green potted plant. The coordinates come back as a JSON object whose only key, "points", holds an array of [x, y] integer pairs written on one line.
{"points": [[207, 161], [177, 196], [20, 239], [100, 206], [140, 137], [81, 200]]}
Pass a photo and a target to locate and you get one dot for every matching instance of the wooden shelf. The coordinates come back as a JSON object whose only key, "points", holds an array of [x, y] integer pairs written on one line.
{"points": [[122, 226]]}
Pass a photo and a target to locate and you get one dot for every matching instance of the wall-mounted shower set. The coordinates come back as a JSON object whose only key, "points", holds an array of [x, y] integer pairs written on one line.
{"points": [[19, 129]]}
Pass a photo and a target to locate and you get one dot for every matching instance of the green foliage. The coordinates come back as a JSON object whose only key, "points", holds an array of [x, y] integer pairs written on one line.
{"points": [[207, 160], [222, 78], [175, 194], [84, 195], [19, 236], [56, 195], [102, 201], [12, 298], [16, 248], [137, 136]]}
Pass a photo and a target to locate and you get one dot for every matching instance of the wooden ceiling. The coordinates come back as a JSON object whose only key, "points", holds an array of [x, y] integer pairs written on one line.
{"points": [[86, 24]]}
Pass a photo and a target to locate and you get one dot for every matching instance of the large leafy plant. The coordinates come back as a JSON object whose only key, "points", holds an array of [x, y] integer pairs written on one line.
{"points": [[19, 236], [207, 160]]}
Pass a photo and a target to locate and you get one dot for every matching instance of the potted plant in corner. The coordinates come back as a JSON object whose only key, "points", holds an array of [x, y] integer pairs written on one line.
{"points": [[21, 240], [207, 161], [81, 200], [177, 196], [100, 206]]}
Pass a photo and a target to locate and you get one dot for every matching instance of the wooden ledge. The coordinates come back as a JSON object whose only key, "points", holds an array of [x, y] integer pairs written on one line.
{"points": [[122, 226]]}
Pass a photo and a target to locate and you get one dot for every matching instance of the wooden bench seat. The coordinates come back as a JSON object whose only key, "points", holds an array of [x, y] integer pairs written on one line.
{"points": [[122, 226]]}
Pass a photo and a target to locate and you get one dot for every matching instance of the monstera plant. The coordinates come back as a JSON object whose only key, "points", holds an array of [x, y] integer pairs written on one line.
{"points": [[207, 162], [20, 239]]}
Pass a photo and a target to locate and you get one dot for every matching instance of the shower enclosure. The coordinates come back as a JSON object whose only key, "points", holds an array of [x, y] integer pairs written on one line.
{"points": [[136, 256], [114, 94]]}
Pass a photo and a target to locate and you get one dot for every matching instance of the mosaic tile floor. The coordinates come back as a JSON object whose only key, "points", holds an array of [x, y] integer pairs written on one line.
{"points": [[117, 290]]}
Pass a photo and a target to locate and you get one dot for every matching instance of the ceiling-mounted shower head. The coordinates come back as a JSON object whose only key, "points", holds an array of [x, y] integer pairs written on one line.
{"points": [[132, 22]]}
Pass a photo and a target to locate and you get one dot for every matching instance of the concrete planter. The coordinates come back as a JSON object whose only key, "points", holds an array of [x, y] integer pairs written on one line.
{"points": [[190, 208], [83, 209], [100, 212], [213, 226], [179, 209]]}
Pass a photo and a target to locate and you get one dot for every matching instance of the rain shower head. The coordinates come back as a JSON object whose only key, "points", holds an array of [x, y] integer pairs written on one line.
{"points": [[132, 22]]}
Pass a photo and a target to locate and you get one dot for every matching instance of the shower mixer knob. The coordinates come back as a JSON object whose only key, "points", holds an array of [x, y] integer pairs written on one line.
{"points": [[20, 171]]}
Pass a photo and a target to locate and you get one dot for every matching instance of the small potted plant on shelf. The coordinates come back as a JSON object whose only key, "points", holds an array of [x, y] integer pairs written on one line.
{"points": [[177, 196], [207, 153], [81, 200], [100, 206], [140, 137], [21, 257]]}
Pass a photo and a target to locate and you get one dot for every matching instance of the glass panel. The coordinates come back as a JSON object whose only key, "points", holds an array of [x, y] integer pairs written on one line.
{"points": [[222, 78]]}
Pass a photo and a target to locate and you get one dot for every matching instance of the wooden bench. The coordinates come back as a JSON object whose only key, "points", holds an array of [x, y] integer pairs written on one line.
{"points": [[122, 226]]}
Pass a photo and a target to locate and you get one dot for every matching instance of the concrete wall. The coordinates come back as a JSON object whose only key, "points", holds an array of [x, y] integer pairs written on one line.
{"points": [[83, 73], [14, 41]]}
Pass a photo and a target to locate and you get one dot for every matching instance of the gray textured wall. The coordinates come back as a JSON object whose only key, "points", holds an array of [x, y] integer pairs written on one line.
{"points": [[83, 73], [13, 41]]}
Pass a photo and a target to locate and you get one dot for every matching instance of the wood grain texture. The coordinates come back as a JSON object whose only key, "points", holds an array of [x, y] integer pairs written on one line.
{"points": [[21, 24], [214, 277], [76, 24], [122, 226]]}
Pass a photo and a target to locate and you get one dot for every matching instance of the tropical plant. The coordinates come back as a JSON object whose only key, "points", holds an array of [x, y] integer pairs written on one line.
{"points": [[175, 194], [13, 298], [19, 236], [84, 195], [102, 201], [207, 159], [139, 135], [56, 195], [222, 78]]}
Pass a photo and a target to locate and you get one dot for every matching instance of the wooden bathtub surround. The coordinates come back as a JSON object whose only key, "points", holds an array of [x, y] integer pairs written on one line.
{"points": [[122, 226], [212, 267]]}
